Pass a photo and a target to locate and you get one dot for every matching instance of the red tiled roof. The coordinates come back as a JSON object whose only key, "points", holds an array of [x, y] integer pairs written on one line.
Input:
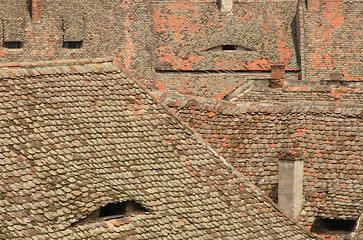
{"points": [[253, 91], [252, 135], [331, 40], [76, 137], [186, 30]]}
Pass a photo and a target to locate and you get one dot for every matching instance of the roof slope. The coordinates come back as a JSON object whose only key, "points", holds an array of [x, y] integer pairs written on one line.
{"points": [[74, 138], [252, 136], [332, 39], [252, 91], [186, 32]]}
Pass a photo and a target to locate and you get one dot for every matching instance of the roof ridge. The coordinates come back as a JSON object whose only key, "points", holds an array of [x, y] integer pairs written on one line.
{"points": [[227, 164], [235, 107], [60, 62], [62, 67]]}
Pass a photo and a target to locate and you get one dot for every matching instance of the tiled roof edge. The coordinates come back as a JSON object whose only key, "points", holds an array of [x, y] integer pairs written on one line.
{"points": [[287, 88], [55, 62], [258, 191], [346, 109], [359, 228], [61, 67], [232, 170], [141, 85]]}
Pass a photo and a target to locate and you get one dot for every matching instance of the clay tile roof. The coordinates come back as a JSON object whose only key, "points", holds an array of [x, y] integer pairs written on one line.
{"points": [[337, 51], [76, 137], [189, 31], [252, 135], [254, 91]]}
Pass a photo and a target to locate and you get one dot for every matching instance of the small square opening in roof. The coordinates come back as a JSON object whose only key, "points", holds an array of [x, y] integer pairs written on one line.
{"points": [[12, 45], [73, 44]]}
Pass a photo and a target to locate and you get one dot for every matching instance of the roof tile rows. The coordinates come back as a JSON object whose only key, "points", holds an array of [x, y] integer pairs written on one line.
{"points": [[186, 31], [255, 92], [252, 136], [331, 40], [74, 138]]}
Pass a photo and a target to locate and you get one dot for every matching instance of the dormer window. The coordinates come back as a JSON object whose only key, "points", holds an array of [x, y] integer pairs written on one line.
{"points": [[121, 209], [12, 45], [13, 33], [73, 32], [73, 44], [229, 48], [113, 211]]}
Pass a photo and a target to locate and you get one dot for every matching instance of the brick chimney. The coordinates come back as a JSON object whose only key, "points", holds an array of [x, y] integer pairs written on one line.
{"points": [[277, 74], [290, 185], [35, 11], [313, 5], [225, 6]]}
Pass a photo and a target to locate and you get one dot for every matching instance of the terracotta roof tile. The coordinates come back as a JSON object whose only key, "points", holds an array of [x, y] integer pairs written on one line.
{"points": [[256, 92], [77, 138], [328, 138]]}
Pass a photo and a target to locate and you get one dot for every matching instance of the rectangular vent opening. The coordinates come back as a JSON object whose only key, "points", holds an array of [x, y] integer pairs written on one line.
{"points": [[229, 47], [13, 45], [73, 44]]}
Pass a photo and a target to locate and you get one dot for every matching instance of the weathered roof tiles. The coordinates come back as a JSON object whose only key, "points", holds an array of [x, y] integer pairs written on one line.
{"points": [[252, 135], [75, 138]]}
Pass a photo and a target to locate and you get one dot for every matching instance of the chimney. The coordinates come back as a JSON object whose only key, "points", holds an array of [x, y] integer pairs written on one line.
{"points": [[35, 11], [226, 6], [313, 5], [277, 74], [290, 185]]}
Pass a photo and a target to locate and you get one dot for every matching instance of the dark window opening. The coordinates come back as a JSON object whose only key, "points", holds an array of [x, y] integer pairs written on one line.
{"points": [[72, 44], [113, 211], [332, 226], [229, 47], [273, 194], [13, 45]]}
